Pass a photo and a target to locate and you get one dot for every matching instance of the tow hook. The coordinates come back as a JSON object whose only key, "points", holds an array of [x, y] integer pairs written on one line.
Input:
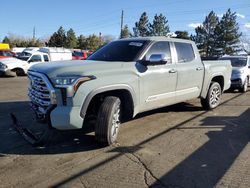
{"points": [[30, 137]]}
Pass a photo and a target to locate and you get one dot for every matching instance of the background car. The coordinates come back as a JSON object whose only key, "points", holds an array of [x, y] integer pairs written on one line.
{"points": [[80, 55], [6, 53], [241, 72]]}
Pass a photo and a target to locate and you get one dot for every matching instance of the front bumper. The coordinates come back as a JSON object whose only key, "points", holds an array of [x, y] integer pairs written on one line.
{"points": [[59, 117], [66, 118], [237, 83], [6, 72], [46, 102]]}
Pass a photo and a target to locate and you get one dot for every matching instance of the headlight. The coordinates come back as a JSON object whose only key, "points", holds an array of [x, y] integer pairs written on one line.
{"points": [[241, 71], [3, 66], [64, 81], [71, 83]]}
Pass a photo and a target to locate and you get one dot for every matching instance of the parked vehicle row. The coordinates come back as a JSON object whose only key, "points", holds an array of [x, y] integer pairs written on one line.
{"points": [[122, 79], [20, 65]]}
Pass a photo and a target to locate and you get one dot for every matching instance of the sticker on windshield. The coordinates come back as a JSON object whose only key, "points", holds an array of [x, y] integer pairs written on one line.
{"points": [[138, 44]]}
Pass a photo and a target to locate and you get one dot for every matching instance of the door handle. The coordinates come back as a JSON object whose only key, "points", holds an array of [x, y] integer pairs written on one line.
{"points": [[172, 71], [199, 68]]}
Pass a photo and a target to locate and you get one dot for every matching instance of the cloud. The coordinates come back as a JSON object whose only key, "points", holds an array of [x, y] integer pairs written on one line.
{"points": [[220, 15], [247, 25], [240, 15], [194, 25]]}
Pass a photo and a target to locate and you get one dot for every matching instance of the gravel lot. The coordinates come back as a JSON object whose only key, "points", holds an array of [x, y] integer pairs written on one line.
{"points": [[176, 146]]}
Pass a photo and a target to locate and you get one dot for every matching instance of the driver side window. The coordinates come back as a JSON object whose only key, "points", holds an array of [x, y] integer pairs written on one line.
{"points": [[159, 48], [35, 58]]}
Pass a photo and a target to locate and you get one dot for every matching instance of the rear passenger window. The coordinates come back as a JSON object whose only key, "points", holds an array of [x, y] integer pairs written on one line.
{"points": [[46, 58], [185, 52], [159, 48]]}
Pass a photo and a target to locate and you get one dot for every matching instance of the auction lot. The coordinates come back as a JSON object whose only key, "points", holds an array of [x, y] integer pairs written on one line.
{"points": [[176, 146]]}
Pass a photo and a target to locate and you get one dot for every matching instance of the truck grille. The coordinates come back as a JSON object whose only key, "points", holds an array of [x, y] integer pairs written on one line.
{"points": [[41, 93]]}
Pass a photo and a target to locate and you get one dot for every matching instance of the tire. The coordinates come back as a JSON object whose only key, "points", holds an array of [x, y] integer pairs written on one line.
{"points": [[243, 89], [213, 97], [20, 72], [108, 121]]}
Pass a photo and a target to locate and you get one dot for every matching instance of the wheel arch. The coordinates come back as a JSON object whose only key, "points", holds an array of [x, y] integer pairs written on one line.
{"points": [[215, 78], [18, 68], [124, 92], [220, 80]]}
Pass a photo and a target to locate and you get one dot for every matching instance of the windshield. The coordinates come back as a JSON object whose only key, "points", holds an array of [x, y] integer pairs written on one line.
{"points": [[236, 61], [24, 56], [120, 51]]}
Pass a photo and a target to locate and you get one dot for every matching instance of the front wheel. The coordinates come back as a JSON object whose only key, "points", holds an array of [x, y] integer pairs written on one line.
{"points": [[213, 97], [108, 120], [243, 89]]}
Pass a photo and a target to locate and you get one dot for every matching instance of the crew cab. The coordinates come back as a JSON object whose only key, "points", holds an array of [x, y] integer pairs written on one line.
{"points": [[122, 79], [240, 73]]}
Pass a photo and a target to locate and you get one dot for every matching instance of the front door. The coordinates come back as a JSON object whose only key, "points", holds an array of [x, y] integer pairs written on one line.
{"points": [[158, 83]]}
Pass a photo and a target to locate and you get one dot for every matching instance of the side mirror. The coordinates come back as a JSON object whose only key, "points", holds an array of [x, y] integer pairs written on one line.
{"points": [[156, 59]]}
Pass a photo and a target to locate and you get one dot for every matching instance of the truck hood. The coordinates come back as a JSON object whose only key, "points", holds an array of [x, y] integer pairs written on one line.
{"points": [[11, 60], [70, 68]]}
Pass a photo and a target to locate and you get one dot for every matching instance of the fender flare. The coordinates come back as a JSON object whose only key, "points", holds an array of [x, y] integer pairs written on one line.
{"points": [[94, 92]]}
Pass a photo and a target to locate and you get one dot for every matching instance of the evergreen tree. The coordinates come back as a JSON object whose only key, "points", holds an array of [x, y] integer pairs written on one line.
{"points": [[141, 27], [159, 27], [58, 39], [125, 33], [228, 34], [206, 35], [92, 42], [71, 40], [6, 40], [81, 42], [182, 35]]}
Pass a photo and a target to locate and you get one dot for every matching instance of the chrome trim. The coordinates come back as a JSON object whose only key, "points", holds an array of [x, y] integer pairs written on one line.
{"points": [[41, 93]]}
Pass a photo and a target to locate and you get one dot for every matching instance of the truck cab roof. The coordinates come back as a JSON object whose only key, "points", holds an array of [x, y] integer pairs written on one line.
{"points": [[158, 38]]}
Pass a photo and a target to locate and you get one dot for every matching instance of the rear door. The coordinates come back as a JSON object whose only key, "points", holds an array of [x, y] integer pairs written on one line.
{"points": [[190, 72]]}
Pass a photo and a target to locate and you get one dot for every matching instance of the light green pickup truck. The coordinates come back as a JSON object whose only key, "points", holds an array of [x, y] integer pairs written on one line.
{"points": [[122, 79]]}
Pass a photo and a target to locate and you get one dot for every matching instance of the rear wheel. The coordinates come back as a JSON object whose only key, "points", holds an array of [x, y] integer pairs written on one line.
{"points": [[243, 89], [108, 120], [213, 98]]}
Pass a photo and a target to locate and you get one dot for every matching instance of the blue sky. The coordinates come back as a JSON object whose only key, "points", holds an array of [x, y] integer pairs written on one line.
{"points": [[94, 16]]}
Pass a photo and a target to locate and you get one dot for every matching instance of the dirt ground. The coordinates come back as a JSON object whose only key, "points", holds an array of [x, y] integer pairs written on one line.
{"points": [[176, 146]]}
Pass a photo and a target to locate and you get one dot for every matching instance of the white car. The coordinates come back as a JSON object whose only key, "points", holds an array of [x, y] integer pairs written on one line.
{"points": [[20, 65], [241, 72]]}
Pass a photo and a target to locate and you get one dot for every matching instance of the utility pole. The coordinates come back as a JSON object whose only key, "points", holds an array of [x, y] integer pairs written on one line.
{"points": [[34, 33], [122, 17], [100, 38]]}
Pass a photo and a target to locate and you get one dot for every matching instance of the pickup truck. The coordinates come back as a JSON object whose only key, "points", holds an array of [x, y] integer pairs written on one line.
{"points": [[30, 56], [240, 73], [122, 79]]}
